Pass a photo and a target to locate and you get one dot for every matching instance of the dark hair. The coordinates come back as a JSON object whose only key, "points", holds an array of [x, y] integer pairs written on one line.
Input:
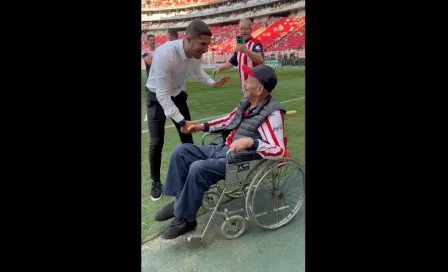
{"points": [[149, 36], [173, 33], [197, 28]]}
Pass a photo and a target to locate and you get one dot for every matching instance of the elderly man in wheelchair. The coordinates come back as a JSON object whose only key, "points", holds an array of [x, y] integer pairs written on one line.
{"points": [[254, 141]]}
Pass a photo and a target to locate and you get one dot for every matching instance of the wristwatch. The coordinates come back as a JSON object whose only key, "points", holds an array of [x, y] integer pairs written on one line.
{"points": [[182, 123]]}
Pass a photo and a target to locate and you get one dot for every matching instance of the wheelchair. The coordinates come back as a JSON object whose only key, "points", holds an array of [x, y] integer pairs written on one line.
{"points": [[272, 192]]}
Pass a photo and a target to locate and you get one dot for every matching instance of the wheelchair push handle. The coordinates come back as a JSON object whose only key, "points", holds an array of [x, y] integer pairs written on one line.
{"points": [[291, 113], [228, 153]]}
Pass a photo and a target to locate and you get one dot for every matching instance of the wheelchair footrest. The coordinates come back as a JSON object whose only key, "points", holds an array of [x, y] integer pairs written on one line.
{"points": [[227, 213], [195, 237]]}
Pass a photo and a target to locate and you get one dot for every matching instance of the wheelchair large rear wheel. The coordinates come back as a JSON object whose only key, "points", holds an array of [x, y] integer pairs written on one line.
{"points": [[276, 194]]}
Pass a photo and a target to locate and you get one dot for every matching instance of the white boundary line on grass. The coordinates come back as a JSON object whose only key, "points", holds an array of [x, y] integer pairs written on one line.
{"points": [[211, 118]]}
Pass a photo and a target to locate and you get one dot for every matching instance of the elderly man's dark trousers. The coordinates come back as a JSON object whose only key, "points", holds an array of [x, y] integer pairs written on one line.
{"points": [[191, 172]]}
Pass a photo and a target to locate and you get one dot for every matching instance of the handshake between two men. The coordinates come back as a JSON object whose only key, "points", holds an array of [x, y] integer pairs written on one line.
{"points": [[236, 146], [190, 127]]}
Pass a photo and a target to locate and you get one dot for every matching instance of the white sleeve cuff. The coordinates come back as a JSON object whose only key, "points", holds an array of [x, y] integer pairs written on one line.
{"points": [[178, 117], [210, 82]]}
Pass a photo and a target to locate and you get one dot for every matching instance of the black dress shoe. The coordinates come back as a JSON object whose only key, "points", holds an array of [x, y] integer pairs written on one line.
{"points": [[178, 227], [165, 213]]}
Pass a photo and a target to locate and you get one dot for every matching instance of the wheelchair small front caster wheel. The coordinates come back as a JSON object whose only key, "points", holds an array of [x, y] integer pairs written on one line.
{"points": [[210, 200], [233, 227]]}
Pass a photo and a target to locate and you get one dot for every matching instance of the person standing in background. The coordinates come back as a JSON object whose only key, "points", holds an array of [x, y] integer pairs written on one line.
{"points": [[147, 54], [249, 53], [172, 35]]}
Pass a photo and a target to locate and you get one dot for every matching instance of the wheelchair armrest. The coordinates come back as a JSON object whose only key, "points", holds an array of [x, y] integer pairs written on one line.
{"points": [[244, 156], [207, 134]]}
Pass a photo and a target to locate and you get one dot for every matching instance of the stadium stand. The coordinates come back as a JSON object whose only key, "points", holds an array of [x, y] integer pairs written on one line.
{"points": [[278, 24]]}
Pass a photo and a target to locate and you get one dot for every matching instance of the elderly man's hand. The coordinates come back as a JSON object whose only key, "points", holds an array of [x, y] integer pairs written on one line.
{"points": [[241, 144]]}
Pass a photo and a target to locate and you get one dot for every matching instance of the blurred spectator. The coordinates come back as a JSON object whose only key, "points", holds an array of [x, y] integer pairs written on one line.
{"points": [[172, 35]]}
